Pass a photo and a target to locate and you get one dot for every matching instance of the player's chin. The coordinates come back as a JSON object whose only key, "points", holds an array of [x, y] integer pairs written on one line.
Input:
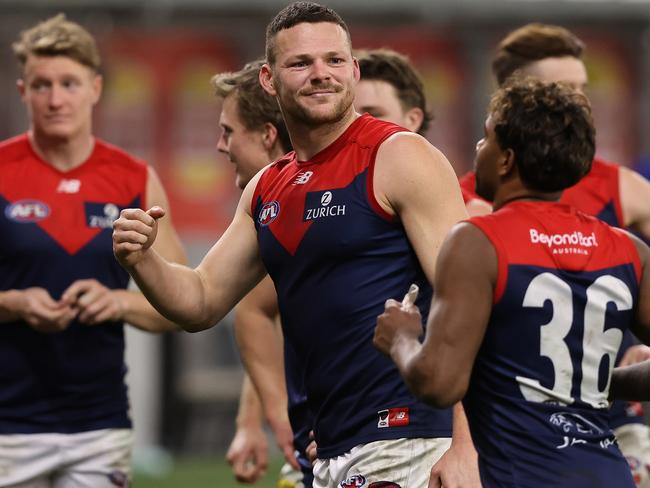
{"points": [[58, 131], [324, 114]]}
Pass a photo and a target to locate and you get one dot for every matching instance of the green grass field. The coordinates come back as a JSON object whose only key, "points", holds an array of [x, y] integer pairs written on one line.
{"points": [[206, 473]]}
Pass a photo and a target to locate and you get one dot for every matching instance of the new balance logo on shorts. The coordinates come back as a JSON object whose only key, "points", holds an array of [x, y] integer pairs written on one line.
{"points": [[393, 417]]}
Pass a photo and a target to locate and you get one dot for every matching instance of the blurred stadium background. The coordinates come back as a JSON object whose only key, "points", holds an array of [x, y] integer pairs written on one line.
{"points": [[158, 58]]}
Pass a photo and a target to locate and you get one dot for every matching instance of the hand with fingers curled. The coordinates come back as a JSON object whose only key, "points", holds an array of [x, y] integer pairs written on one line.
{"points": [[248, 453], [134, 232], [400, 319], [635, 354], [457, 468], [94, 302], [42, 312]]}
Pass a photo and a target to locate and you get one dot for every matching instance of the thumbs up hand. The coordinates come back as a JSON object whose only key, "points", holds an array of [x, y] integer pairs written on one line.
{"points": [[134, 232]]}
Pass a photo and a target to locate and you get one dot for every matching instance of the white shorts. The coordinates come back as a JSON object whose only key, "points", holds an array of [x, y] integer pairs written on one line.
{"points": [[94, 459], [405, 462], [634, 443]]}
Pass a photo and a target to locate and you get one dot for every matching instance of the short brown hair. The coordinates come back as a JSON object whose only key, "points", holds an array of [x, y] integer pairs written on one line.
{"points": [[255, 106], [299, 13], [550, 129], [530, 43], [57, 36], [396, 69]]}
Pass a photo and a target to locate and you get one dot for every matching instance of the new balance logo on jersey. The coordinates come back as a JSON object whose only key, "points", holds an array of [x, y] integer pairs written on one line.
{"points": [[269, 213], [27, 211], [101, 215], [562, 243], [393, 417], [325, 209], [303, 177], [68, 186]]}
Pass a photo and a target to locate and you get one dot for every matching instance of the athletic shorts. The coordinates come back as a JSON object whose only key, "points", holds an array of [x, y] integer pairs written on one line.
{"points": [[398, 463], [94, 459], [634, 443]]}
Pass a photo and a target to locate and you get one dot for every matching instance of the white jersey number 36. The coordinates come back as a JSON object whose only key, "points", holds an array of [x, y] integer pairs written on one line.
{"points": [[596, 342]]}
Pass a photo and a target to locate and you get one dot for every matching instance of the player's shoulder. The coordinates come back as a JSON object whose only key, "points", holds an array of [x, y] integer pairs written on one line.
{"points": [[118, 156], [277, 167], [14, 148], [368, 130], [602, 167]]}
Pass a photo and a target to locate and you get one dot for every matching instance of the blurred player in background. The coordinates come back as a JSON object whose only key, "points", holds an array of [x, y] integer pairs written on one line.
{"points": [[338, 226], [391, 89], [253, 134], [613, 193], [530, 302], [63, 402]]}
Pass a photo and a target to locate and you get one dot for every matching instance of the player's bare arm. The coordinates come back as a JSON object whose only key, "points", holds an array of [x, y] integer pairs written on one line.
{"points": [[635, 195], [196, 299], [260, 344], [259, 337], [438, 370], [97, 304], [415, 182], [248, 451]]}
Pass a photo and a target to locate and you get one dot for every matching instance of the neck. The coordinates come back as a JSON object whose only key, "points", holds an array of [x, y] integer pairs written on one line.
{"points": [[276, 152], [500, 201], [64, 154], [310, 140]]}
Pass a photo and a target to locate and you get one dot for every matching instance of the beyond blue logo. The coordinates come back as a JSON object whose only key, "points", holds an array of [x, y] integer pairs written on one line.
{"points": [[27, 211]]}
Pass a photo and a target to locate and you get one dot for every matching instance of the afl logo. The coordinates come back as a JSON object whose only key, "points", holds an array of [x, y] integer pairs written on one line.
{"points": [[326, 199], [269, 213], [354, 481], [26, 211]]}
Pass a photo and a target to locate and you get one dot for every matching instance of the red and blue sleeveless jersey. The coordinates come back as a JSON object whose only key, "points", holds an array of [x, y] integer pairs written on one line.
{"points": [[335, 256], [56, 228], [596, 194], [537, 402]]}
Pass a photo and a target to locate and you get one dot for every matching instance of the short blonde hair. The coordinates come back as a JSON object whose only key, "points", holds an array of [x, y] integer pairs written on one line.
{"points": [[57, 36]]}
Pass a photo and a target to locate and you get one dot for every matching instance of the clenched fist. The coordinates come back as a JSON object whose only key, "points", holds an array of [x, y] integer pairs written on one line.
{"points": [[134, 233]]}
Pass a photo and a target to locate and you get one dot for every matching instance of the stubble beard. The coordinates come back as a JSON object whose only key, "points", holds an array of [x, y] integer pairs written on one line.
{"points": [[313, 117]]}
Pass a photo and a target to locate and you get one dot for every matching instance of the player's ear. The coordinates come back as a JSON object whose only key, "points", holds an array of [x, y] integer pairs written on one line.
{"points": [[356, 69], [506, 163], [269, 136], [98, 86], [20, 85], [266, 79], [413, 118]]}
